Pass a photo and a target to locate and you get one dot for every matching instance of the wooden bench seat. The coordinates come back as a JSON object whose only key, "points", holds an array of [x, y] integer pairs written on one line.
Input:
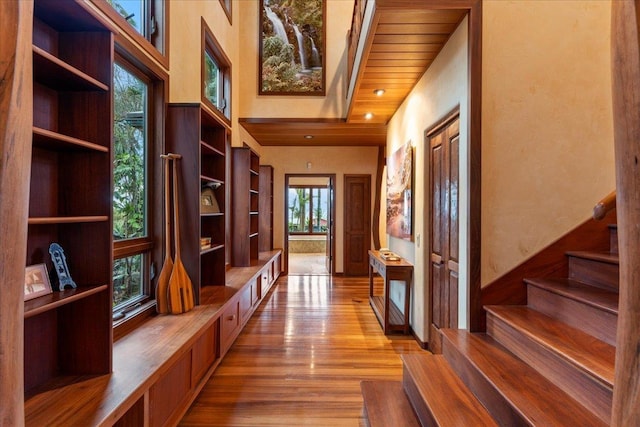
{"points": [[159, 368]]}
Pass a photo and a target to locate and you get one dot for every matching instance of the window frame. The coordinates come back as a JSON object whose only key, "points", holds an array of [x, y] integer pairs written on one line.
{"points": [[227, 6], [158, 44], [139, 245], [157, 79], [211, 46], [310, 213]]}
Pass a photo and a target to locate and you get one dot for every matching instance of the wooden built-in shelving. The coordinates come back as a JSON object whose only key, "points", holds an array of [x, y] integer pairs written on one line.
{"points": [[161, 366], [68, 334], [245, 200], [201, 139], [265, 227]]}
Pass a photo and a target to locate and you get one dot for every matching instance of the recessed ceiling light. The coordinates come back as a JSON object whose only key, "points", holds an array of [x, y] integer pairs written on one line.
{"points": [[379, 92], [368, 116], [308, 137]]}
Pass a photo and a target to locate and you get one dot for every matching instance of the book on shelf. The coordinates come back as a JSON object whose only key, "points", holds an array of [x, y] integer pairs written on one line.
{"points": [[205, 243]]}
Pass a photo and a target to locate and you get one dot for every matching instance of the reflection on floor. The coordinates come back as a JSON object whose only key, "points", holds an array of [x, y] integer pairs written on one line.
{"points": [[302, 263], [300, 359]]}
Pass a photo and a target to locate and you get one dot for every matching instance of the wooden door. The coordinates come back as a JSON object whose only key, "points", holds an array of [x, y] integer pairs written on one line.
{"points": [[444, 141], [357, 224]]}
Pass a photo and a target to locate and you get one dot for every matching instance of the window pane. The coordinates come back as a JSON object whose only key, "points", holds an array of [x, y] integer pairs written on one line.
{"points": [[133, 11], [127, 279], [211, 81], [299, 209], [320, 208], [130, 141]]}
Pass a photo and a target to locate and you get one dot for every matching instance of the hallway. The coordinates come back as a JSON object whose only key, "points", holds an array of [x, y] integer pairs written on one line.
{"points": [[300, 359]]}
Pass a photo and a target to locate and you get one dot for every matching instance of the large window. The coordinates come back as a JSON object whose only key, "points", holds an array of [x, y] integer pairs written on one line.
{"points": [[216, 75], [143, 20], [308, 209], [131, 188]]}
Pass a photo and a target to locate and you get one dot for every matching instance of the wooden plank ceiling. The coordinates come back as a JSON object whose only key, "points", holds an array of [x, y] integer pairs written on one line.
{"points": [[404, 39]]}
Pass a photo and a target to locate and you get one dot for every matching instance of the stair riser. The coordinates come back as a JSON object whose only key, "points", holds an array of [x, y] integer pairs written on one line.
{"points": [[498, 407], [419, 405], [601, 324], [595, 273], [613, 240], [586, 389]]}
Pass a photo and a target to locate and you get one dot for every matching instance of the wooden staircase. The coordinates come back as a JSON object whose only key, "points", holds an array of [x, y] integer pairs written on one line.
{"points": [[547, 363]]}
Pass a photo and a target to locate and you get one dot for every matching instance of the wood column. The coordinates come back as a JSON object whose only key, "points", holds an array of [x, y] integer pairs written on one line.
{"points": [[16, 117], [626, 119]]}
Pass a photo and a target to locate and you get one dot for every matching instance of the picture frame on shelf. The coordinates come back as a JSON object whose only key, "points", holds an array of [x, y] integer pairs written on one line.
{"points": [[36, 281], [208, 201]]}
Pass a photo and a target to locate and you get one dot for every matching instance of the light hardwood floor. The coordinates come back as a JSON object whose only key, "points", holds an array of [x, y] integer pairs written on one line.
{"points": [[300, 359]]}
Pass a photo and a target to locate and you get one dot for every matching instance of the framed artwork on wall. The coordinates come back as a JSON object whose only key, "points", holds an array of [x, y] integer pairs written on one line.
{"points": [[399, 193], [292, 47]]}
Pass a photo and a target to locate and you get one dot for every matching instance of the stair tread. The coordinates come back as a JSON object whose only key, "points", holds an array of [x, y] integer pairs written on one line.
{"points": [[588, 353], [539, 401], [603, 299], [387, 404], [608, 257], [432, 374]]}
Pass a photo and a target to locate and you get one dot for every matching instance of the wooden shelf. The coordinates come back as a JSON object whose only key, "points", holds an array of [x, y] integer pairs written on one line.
{"points": [[67, 220], [59, 298], [211, 249], [44, 138], [209, 179], [396, 318], [57, 74], [208, 149], [214, 214]]}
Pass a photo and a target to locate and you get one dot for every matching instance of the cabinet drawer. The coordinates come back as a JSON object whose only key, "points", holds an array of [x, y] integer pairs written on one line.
{"points": [[229, 324], [249, 300], [203, 353], [171, 392], [246, 303]]}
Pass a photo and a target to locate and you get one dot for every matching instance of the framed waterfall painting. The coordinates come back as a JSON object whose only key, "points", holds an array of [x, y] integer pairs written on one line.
{"points": [[292, 47]]}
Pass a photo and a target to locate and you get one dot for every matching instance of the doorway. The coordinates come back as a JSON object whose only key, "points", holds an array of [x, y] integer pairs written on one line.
{"points": [[309, 224]]}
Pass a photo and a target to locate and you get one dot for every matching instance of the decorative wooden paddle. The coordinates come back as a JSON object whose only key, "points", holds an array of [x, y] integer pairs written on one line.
{"points": [[180, 287], [162, 286]]}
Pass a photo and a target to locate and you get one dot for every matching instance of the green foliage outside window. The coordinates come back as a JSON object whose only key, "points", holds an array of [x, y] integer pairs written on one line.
{"points": [[129, 177], [211, 80], [308, 208]]}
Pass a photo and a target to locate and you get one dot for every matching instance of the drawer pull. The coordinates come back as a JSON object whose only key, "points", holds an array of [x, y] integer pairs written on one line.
{"points": [[231, 318]]}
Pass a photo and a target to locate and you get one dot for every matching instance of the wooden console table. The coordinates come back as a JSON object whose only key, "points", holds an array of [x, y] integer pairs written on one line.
{"points": [[389, 315]]}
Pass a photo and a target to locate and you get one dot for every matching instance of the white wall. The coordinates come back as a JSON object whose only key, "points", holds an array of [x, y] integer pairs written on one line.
{"points": [[443, 87], [547, 124]]}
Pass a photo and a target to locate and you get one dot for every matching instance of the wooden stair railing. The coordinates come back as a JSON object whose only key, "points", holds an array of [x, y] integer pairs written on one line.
{"points": [[625, 40], [604, 206]]}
